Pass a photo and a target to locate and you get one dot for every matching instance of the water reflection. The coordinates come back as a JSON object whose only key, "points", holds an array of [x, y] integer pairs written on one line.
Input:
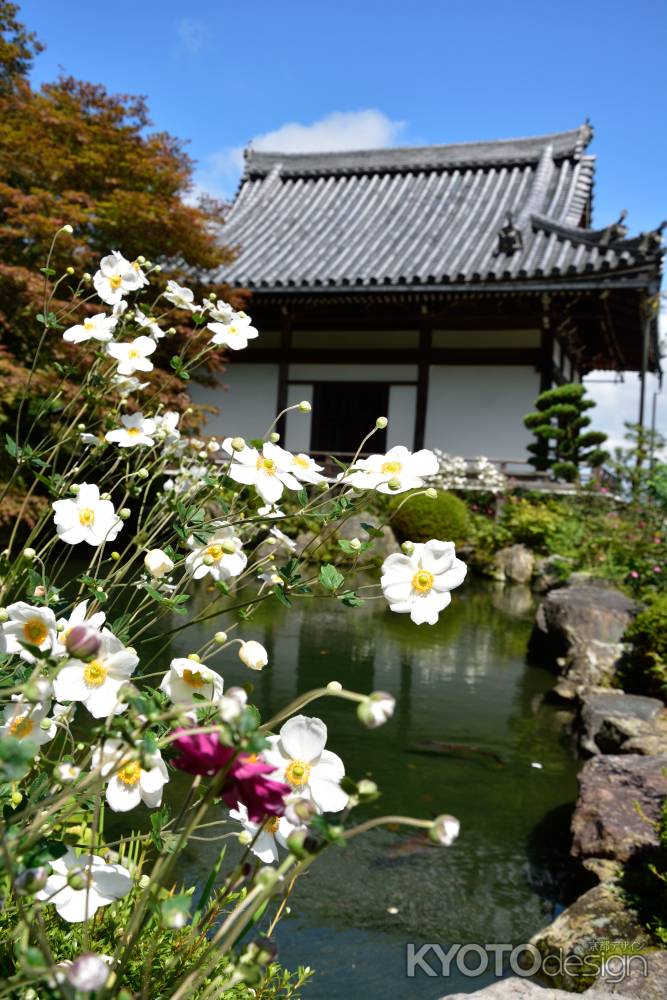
{"points": [[463, 681]]}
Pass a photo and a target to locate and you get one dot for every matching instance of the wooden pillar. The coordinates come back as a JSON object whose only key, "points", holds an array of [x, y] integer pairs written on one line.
{"points": [[546, 345], [283, 368], [423, 365]]}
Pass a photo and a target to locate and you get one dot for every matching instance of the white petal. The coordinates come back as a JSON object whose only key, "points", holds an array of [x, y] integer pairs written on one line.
{"points": [[303, 738]]}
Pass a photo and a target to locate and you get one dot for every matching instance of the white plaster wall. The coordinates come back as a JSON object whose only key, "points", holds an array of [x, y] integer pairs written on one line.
{"points": [[402, 409], [297, 429], [246, 397], [479, 410]]}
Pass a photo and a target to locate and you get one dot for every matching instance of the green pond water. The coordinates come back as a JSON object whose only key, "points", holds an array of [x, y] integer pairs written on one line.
{"points": [[463, 681]]}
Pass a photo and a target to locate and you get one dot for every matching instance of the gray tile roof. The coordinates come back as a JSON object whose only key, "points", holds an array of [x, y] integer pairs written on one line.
{"points": [[472, 213]]}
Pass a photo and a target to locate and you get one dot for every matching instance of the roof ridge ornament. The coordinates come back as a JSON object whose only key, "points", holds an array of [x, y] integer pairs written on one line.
{"points": [[651, 242], [615, 231], [509, 237]]}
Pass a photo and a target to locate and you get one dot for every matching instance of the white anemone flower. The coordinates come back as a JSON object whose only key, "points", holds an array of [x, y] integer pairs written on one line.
{"points": [[102, 884], [26, 623], [269, 471], [158, 563], [23, 721], [77, 617], [99, 327], [222, 557], [130, 783], [125, 385], [136, 430], [132, 356], [397, 471], [234, 334], [180, 296], [186, 678], [274, 832], [149, 324], [86, 517], [419, 584], [98, 682], [253, 655], [166, 426], [299, 756], [116, 277], [305, 469], [221, 311]]}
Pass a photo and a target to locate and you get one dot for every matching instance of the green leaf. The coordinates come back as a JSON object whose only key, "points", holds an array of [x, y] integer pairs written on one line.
{"points": [[16, 757], [302, 497], [279, 591], [48, 271], [350, 599], [372, 530], [330, 578]]}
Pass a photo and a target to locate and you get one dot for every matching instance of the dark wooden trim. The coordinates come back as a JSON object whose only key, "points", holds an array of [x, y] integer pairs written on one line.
{"points": [[547, 346], [283, 368], [374, 356], [425, 355]]}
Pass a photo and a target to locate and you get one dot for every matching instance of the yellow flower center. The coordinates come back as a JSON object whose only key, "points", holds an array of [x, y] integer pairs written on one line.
{"points": [[422, 581], [35, 631], [133, 431], [271, 825], [297, 773], [88, 324], [194, 678], [131, 773], [392, 467], [115, 281], [21, 726], [301, 461], [266, 465], [94, 673], [214, 551], [87, 516], [133, 353], [232, 330]]}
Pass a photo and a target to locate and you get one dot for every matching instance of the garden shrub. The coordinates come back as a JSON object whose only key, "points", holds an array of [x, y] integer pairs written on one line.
{"points": [[420, 517], [533, 524], [645, 665]]}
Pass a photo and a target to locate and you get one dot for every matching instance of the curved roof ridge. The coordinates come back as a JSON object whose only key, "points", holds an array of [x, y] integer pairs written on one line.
{"points": [[526, 149]]}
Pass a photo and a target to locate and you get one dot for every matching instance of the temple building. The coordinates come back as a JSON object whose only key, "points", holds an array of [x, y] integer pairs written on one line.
{"points": [[441, 286]]}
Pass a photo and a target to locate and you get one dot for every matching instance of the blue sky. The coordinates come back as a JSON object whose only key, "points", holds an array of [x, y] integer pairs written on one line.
{"points": [[369, 73]]}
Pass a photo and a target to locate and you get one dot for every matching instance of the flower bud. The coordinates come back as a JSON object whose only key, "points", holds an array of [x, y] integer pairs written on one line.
{"points": [[124, 513], [431, 493], [334, 687], [195, 657], [142, 473], [408, 548], [245, 838], [69, 270], [157, 268], [394, 484], [83, 642], [220, 638], [227, 545], [39, 591], [115, 556], [76, 879], [29, 554], [141, 259], [208, 560], [444, 830], [274, 437], [66, 229], [86, 277], [105, 496], [88, 973], [253, 655], [304, 406], [366, 787], [238, 443], [381, 423], [299, 812], [355, 544], [377, 709], [266, 877], [297, 842], [232, 704], [31, 880], [158, 563]]}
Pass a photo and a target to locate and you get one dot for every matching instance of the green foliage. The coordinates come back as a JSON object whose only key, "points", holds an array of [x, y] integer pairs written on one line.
{"points": [[645, 665], [420, 518], [557, 423]]}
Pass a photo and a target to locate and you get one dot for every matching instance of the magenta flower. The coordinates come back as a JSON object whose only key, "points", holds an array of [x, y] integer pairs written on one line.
{"points": [[247, 780], [657, 569], [634, 574]]}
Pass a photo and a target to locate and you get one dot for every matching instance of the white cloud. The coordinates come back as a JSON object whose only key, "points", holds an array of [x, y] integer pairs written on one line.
{"points": [[369, 129], [192, 35], [618, 403]]}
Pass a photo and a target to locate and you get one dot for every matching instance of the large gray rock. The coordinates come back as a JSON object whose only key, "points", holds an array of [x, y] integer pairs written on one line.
{"points": [[644, 978], [589, 664], [516, 988], [550, 572], [620, 801], [573, 615], [515, 563], [598, 918], [613, 722]]}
